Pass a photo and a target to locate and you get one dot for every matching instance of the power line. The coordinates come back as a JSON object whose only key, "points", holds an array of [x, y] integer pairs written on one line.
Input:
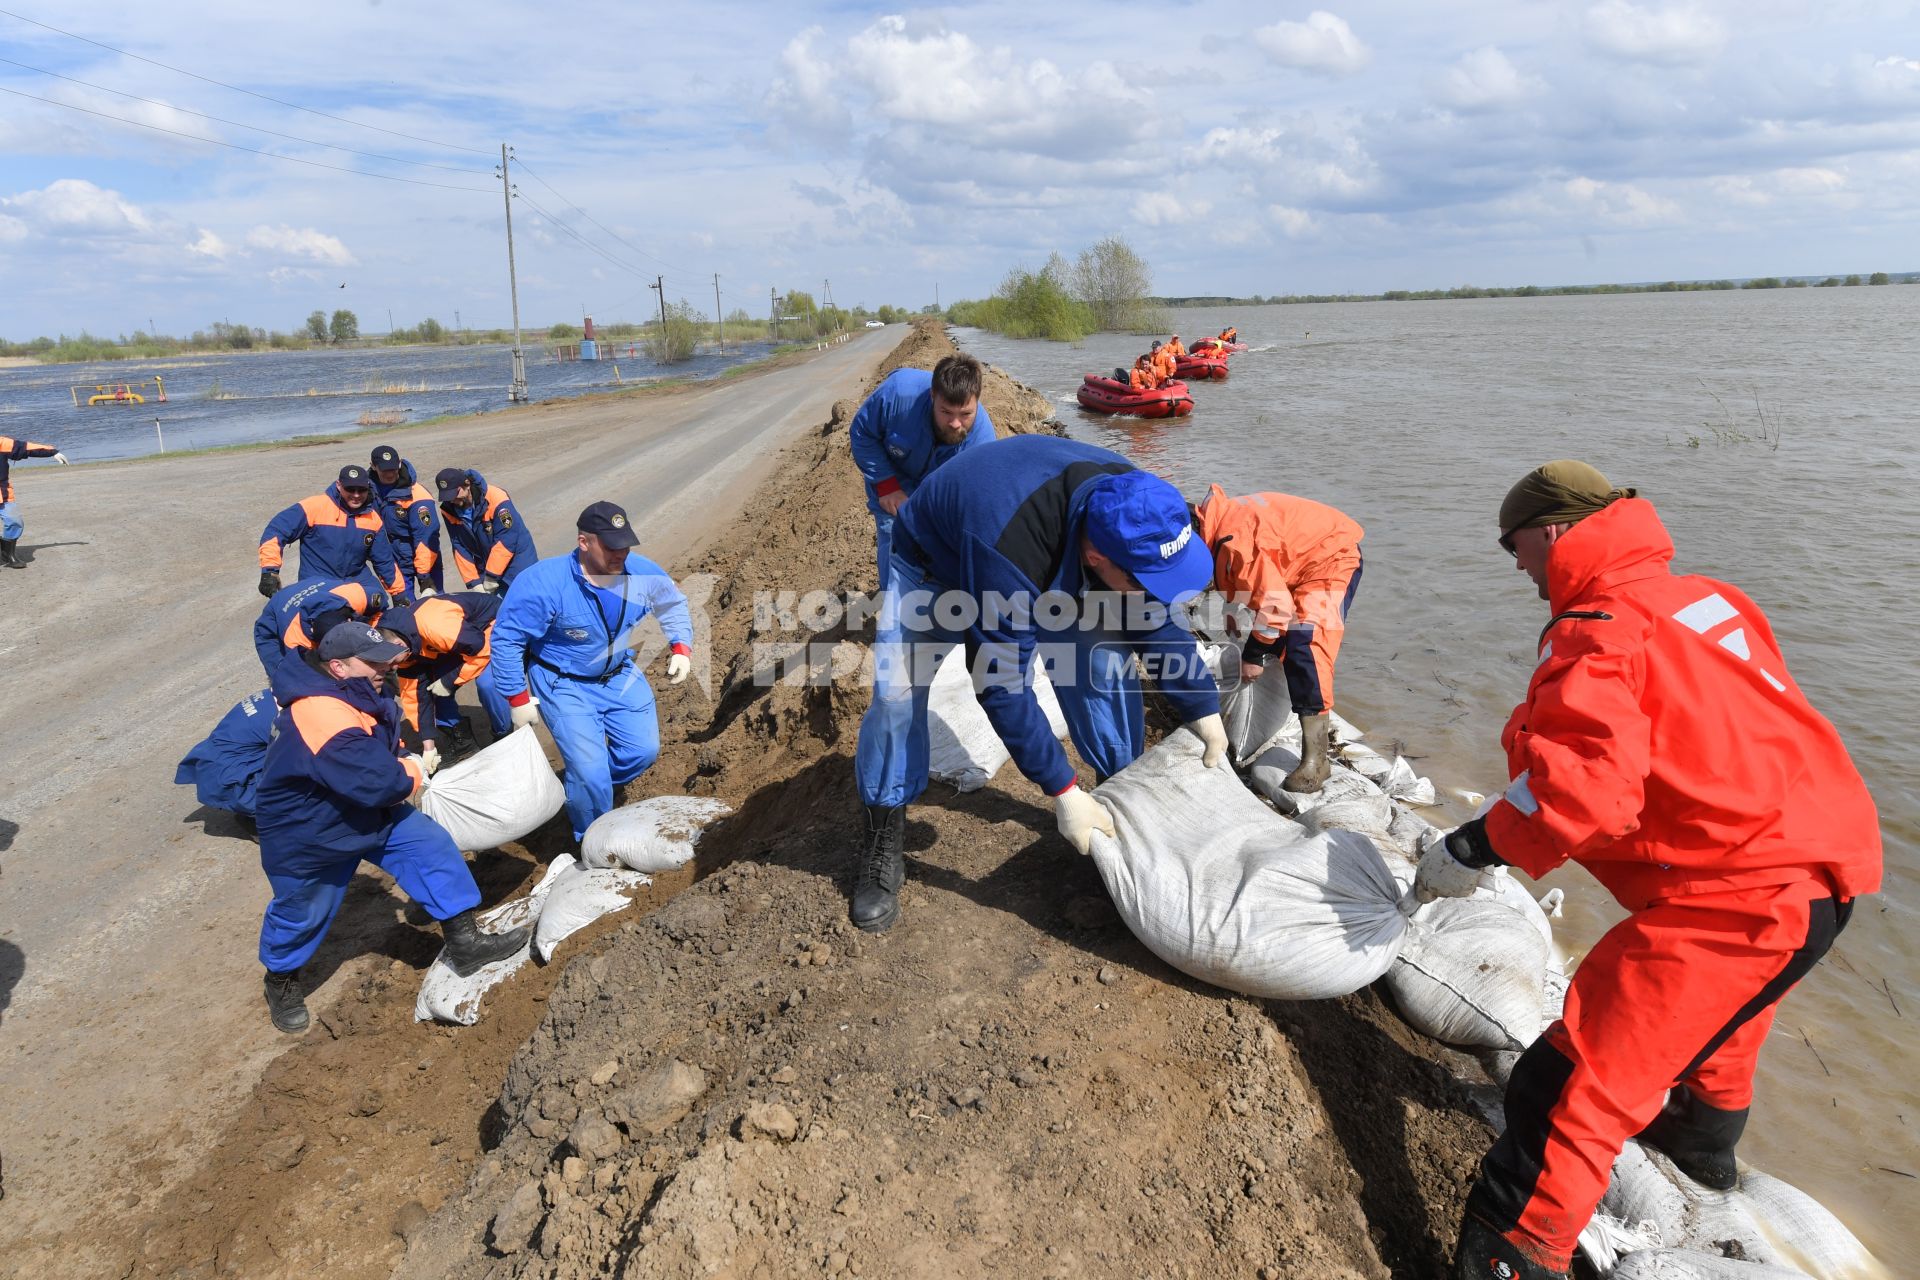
{"points": [[153, 62], [590, 218], [253, 128], [569, 231], [271, 155]]}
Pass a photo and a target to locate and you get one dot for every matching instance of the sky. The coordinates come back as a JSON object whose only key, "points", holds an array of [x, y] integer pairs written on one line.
{"points": [[885, 155]]}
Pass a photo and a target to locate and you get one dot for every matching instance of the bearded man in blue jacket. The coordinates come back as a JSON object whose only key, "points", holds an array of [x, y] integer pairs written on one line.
{"points": [[1031, 548]]}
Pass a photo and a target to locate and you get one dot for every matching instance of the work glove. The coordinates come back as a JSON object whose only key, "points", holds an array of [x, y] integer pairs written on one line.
{"points": [[1212, 732], [677, 667], [486, 586], [424, 591], [424, 772], [60, 458], [1079, 815], [526, 713], [1454, 863], [444, 686], [269, 582], [429, 758]]}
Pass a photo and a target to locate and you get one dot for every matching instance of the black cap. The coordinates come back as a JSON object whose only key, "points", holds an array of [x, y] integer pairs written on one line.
{"points": [[450, 478], [358, 640], [352, 477], [608, 523], [386, 456]]}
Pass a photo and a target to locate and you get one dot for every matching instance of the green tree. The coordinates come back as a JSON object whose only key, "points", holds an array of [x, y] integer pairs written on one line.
{"points": [[317, 326], [674, 341], [1112, 280], [1853, 280], [1878, 277], [563, 330], [431, 330], [344, 327]]}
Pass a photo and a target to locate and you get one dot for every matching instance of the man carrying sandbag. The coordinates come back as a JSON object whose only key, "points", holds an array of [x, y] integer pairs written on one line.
{"points": [[1295, 563], [561, 655], [995, 551], [333, 795], [448, 639], [1664, 747]]}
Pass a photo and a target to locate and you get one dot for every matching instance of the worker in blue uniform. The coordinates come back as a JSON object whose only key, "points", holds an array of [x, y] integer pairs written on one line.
{"points": [[1031, 548], [333, 794], [490, 542], [914, 421], [562, 654], [412, 520], [340, 532], [224, 767], [299, 615]]}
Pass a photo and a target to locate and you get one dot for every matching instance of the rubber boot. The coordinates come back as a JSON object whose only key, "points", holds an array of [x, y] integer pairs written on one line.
{"points": [[883, 868], [8, 559], [1485, 1254], [285, 1003], [457, 742], [1313, 770], [1698, 1138], [469, 950]]}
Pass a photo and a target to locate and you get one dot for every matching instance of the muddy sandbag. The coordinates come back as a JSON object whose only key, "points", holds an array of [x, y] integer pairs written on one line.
{"points": [[1225, 890], [1471, 975], [496, 795], [656, 834], [963, 748], [579, 896], [445, 996], [1691, 1264]]}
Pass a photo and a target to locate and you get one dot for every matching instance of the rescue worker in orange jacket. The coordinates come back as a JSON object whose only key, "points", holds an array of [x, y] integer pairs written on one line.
{"points": [[412, 520], [1143, 376], [340, 532], [11, 451], [1162, 362], [1229, 334], [491, 543], [1664, 747], [1295, 564], [1176, 346], [449, 644]]}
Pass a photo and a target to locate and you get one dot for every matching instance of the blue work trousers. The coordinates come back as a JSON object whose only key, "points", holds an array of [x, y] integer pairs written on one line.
{"points": [[419, 855], [11, 527], [607, 732], [1099, 695]]}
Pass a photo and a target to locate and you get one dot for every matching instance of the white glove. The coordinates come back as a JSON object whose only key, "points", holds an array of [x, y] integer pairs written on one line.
{"points": [[424, 591], [486, 587], [677, 667], [444, 686], [1079, 815], [429, 758], [526, 714], [424, 771], [60, 458], [1212, 732], [1441, 875]]}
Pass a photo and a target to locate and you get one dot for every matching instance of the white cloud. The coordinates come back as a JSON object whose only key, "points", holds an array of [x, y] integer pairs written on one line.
{"points": [[1159, 209], [209, 245], [74, 207], [1484, 79], [1324, 43], [1323, 158], [1292, 222], [1621, 203], [1671, 37], [305, 243]]}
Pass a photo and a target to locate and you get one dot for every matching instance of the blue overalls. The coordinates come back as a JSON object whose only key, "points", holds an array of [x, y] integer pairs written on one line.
{"points": [[894, 447], [224, 767]]}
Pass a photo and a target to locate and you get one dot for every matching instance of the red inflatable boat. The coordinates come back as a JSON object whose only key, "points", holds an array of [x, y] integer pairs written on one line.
{"points": [[1203, 366], [1216, 347], [1104, 395]]}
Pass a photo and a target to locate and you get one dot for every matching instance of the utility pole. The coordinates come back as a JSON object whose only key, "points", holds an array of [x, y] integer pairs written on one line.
{"points": [[719, 318], [456, 320], [936, 297], [517, 389], [773, 316], [826, 287], [659, 286], [389, 322]]}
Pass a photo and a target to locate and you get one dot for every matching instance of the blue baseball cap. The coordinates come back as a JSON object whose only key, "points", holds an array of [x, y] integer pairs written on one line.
{"points": [[1141, 523]]}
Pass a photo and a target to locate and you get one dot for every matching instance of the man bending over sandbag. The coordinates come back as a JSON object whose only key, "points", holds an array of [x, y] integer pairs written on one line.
{"points": [[334, 794], [995, 551], [448, 639], [1664, 747], [1295, 564]]}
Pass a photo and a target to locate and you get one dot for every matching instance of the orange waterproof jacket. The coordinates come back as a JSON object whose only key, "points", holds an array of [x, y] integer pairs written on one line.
{"points": [[1176, 346], [1163, 363], [1663, 745], [1268, 545]]}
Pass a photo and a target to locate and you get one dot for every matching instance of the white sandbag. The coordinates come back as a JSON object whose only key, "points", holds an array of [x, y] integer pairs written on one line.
{"points": [[1471, 974], [445, 996], [1406, 786], [1223, 889], [1406, 830], [963, 748], [1268, 777], [495, 796], [1804, 1232], [1690, 1264], [578, 898], [656, 834], [1256, 715]]}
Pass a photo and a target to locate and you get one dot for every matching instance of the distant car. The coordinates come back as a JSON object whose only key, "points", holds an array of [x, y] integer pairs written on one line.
{"points": [[876, 324]]}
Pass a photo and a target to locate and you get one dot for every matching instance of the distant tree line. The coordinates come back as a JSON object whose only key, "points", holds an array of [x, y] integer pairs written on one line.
{"points": [[1542, 291]]}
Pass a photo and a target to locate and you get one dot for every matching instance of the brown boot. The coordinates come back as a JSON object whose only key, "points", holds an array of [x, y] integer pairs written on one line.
{"points": [[1313, 770]]}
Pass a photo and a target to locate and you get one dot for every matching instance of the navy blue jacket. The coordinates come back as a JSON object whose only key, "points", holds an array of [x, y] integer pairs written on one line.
{"points": [[334, 542], [1006, 520], [224, 768], [892, 435], [488, 537], [297, 616], [412, 521]]}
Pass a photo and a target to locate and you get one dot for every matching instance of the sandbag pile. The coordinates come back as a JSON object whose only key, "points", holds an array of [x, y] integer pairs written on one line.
{"points": [[578, 896], [963, 748], [652, 835], [494, 796], [445, 996]]}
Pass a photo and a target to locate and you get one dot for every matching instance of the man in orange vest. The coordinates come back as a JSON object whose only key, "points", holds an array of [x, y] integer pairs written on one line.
{"points": [[11, 451], [1295, 564], [1665, 748]]}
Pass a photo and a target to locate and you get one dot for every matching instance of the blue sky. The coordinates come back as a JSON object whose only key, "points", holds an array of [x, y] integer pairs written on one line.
{"points": [[1241, 149]]}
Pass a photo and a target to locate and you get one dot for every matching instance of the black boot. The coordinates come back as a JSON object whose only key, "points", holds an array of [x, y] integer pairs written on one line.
{"points": [[457, 742], [1485, 1254], [285, 1003], [468, 950], [883, 867], [8, 559], [1698, 1138]]}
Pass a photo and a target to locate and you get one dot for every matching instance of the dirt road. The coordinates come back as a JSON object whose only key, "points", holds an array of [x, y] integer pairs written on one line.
{"points": [[132, 1023]]}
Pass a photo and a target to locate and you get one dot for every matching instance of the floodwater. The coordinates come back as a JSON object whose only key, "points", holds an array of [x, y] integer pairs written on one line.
{"points": [[241, 398], [1416, 417]]}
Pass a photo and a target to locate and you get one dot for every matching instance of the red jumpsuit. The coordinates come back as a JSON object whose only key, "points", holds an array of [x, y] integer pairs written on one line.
{"points": [[1665, 748]]}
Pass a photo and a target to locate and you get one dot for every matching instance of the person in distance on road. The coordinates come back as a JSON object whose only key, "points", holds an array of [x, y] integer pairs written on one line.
{"points": [[1664, 747], [412, 520], [299, 615], [340, 533], [448, 645], [914, 421], [334, 794], [562, 654], [491, 543], [11, 451]]}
